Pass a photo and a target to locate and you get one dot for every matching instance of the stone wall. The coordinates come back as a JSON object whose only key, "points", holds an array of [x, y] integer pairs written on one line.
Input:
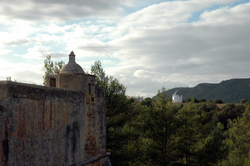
{"points": [[72, 81], [51, 126]]}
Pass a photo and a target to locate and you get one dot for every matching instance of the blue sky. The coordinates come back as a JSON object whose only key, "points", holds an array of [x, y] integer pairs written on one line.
{"points": [[145, 44]]}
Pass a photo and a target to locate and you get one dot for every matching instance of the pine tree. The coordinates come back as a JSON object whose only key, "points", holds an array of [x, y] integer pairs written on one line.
{"points": [[239, 140], [157, 127], [119, 112]]}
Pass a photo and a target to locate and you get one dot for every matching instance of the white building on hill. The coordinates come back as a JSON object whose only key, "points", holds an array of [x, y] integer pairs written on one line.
{"points": [[177, 97]]}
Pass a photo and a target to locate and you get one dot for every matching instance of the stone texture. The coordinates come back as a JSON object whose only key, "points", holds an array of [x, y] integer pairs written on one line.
{"points": [[62, 125]]}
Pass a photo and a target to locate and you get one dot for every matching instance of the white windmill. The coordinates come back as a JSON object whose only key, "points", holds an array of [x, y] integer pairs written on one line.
{"points": [[177, 97]]}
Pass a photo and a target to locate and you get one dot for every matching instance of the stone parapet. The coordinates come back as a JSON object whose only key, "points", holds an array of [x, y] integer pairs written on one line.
{"points": [[51, 126]]}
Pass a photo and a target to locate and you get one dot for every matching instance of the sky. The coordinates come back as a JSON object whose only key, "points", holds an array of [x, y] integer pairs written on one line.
{"points": [[145, 44]]}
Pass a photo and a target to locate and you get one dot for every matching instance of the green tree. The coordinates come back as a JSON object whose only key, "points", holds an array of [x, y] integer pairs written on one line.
{"points": [[199, 140], [147, 101], [119, 112], [247, 160], [212, 149], [229, 111], [202, 100], [175, 135], [111, 85], [191, 100], [218, 101], [188, 133], [51, 67], [243, 101], [238, 140], [158, 132]]}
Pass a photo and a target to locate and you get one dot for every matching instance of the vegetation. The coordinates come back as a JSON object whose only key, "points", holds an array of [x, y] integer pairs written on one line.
{"points": [[51, 67], [238, 140], [156, 132], [229, 91], [10, 79]]}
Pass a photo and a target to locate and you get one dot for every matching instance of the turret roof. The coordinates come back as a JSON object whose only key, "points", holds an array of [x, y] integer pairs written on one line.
{"points": [[72, 66]]}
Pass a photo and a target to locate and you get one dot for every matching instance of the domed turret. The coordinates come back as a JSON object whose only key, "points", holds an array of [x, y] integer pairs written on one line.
{"points": [[72, 77], [72, 66]]}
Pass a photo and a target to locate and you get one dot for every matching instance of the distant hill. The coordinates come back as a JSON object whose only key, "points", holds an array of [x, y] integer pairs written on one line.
{"points": [[229, 91]]}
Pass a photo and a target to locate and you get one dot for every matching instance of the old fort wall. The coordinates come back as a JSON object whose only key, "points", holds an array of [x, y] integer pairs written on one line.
{"points": [[52, 126]]}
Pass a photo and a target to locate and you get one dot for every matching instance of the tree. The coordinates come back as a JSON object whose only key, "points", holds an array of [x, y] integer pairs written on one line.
{"points": [[199, 140], [202, 100], [188, 132], [110, 84], [238, 140], [147, 101], [158, 132], [218, 101], [51, 67], [243, 101], [213, 149], [191, 100], [119, 113], [176, 135], [9, 79]]}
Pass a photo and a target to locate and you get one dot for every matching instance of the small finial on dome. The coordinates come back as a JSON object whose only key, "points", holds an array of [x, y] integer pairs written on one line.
{"points": [[72, 66], [72, 54], [72, 57]]}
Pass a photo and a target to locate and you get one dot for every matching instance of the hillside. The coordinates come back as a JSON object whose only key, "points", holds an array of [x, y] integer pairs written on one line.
{"points": [[229, 91]]}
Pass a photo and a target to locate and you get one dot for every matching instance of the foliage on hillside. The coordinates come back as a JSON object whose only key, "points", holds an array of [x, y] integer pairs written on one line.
{"points": [[229, 91]]}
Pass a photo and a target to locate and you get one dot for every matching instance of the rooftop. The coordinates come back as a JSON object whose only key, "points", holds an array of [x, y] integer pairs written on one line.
{"points": [[72, 66]]}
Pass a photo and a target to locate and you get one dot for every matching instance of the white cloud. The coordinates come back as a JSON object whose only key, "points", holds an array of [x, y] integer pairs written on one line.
{"points": [[239, 14], [22, 72], [144, 74], [13, 39], [188, 53], [163, 15], [156, 46], [4, 51], [40, 52], [59, 10]]}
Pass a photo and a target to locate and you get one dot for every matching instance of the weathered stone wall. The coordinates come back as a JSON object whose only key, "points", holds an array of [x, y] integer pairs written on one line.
{"points": [[51, 126], [72, 81], [48, 82]]}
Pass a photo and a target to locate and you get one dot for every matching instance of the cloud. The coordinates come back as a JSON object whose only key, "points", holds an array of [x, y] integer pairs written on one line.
{"points": [[13, 39], [22, 72], [96, 46], [4, 51], [59, 10], [164, 15], [153, 47], [40, 52], [141, 82], [190, 53], [226, 15], [144, 74]]}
